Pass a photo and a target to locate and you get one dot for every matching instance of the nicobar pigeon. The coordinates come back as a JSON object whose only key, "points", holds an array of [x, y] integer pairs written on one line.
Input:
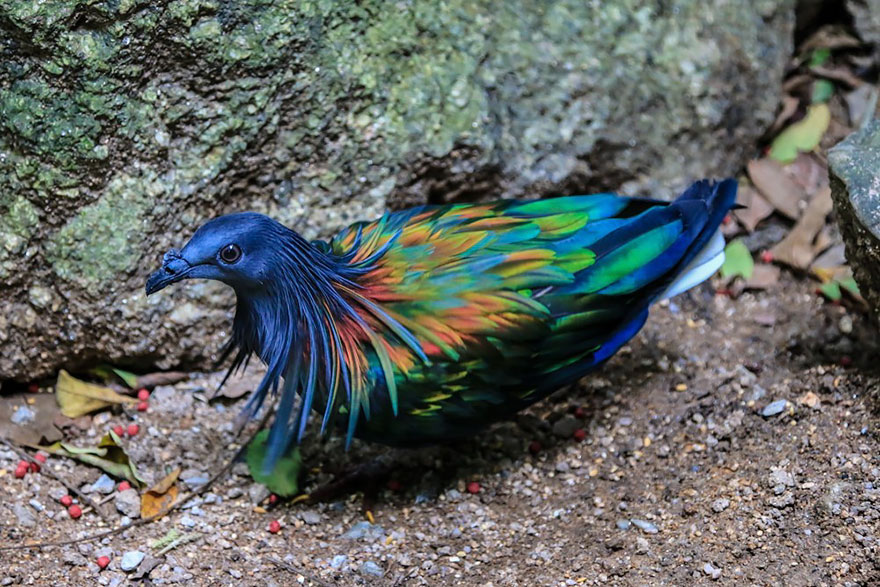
{"points": [[428, 324]]}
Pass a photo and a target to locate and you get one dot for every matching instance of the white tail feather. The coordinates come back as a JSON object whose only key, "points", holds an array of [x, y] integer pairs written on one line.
{"points": [[701, 267]]}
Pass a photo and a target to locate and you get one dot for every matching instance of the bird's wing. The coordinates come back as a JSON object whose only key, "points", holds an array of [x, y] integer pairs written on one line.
{"points": [[559, 283]]}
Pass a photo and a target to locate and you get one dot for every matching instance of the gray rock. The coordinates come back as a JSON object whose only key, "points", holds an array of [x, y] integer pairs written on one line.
{"points": [[22, 416], [370, 568], [720, 504], [712, 571], [774, 408], [187, 522], [501, 100], [565, 426], [337, 561], [128, 503], [365, 529], [866, 18], [258, 493], [104, 485], [311, 517], [645, 526], [24, 515], [853, 170], [623, 524], [131, 560]]}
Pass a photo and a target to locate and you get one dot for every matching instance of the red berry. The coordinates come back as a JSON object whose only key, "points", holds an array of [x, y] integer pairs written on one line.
{"points": [[66, 500], [23, 463], [726, 220], [142, 406], [394, 485], [123, 485], [34, 388], [40, 457], [766, 256], [845, 361], [274, 526], [273, 499], [103, 561], [119, 430], [133, 429], [75, 511], [20, 472], [34, 467], [580, 434], [534, 447], [143, 394], [579, 412], [473, 487]]}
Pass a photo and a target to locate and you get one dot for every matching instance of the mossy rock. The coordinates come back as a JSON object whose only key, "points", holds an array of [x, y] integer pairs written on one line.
{"points": [[855, 188]]}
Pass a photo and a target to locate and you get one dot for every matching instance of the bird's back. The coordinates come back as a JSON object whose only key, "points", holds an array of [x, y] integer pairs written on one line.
{"points": [[512, 300]]}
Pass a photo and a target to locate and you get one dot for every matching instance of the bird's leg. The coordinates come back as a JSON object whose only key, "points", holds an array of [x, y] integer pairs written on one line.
{"points": [[367, 478]]}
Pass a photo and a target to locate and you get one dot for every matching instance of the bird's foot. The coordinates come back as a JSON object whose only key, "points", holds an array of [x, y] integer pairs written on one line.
{"points": [[367, 478]]}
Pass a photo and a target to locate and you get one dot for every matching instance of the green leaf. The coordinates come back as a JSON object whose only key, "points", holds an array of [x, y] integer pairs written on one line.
{"points": [[822, 91], [738, 261], [851, 286], [820, 56], [284, 478], [108, 456], [803, 135], [130, 379], [831, 290]]}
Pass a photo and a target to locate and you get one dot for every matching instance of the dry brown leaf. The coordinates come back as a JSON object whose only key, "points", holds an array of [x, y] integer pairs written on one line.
{"points": [[808, 171], [78, 398], [159, 498], [789, 107], [838, 74], [763, 276], [831, 259], [830, 37], [757, 208], [774, 184], [797, 249]]}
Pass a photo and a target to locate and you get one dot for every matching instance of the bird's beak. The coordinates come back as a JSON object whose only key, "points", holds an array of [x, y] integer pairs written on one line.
{"points": [[174, 268]]}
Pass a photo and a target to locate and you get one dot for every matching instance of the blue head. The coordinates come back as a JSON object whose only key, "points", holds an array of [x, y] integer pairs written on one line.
{"points": [[241, 250]]}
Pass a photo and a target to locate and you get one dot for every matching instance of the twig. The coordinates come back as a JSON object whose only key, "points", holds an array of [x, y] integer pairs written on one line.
{"points": [[292, 569], [44, 467], [143, 521]]}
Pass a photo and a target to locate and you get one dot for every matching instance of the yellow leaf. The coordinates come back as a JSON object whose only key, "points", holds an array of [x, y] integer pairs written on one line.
{"points": [[77, 398], [803, 135], [159, 498]]}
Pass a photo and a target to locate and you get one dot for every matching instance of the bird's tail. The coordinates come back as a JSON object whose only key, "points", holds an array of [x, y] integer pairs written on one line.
{"points": [[706, 254]]}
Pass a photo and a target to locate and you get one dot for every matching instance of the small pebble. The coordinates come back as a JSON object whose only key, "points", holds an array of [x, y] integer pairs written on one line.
{"points": [[23, 415], [371, 568], [36, 505], [311, 517], [338, 560], [128, 503], [24, 516], [624, 524], [104, 485], [774, 408], [713, 572], [720, 504], [644, 526], [131, 560], [565, 426], [187, 522]]}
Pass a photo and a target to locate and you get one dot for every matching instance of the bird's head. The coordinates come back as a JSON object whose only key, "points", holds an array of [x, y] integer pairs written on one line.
{"points": [[238, 249]]}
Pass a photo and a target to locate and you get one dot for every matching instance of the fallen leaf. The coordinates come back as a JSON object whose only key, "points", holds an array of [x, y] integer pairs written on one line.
{"points": [[283, 480], [838, 74], [108, 456], [763, 276], [38, 429], [151, 380], [797, 248], [831, 37], [776, 186], [159, 498], [831, 260], [803, 135], [756, 209], [738, 261], [822, 91], [130, 379], [78, 398], [789, 107], [808, 171]]}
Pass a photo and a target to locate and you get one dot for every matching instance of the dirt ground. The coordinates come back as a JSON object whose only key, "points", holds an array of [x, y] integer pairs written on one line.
{"points": [[679, 480]]}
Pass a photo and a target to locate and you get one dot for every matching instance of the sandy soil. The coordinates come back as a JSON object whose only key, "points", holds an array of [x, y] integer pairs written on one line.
{"points": [[679, 480]]}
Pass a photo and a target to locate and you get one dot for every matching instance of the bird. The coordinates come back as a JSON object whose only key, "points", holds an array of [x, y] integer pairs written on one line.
{"points": [[428, 324]]}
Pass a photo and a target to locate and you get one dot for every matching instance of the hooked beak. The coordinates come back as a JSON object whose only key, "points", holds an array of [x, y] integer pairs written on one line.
{"points": [[174, 268]]}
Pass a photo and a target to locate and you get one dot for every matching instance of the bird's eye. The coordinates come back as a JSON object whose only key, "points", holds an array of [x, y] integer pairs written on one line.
{"points": [[230, 254]]}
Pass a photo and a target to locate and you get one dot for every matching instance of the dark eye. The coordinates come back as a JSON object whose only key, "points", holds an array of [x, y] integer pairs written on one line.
{"points": [[230, 254]]}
